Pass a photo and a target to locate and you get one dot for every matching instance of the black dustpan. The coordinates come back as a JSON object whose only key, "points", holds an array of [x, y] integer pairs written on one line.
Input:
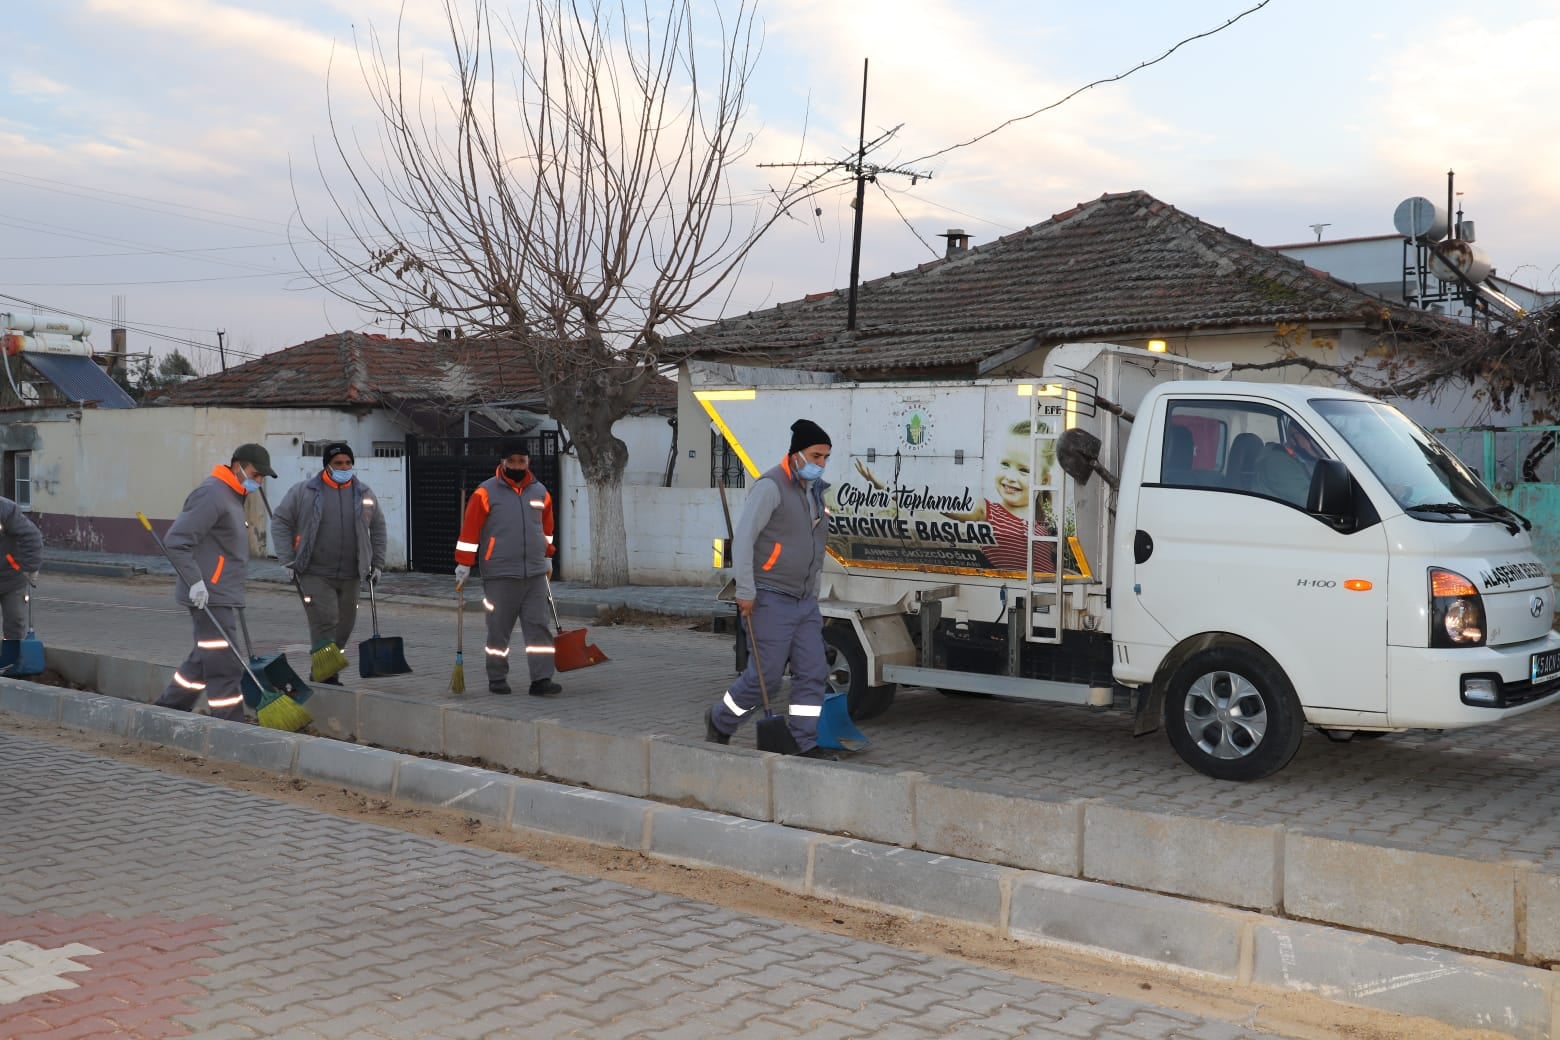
{"points": [[381, 655], [772, 732]]}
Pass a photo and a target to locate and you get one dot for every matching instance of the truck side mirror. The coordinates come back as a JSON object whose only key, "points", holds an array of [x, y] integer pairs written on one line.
{"points": [[1332, 489]]}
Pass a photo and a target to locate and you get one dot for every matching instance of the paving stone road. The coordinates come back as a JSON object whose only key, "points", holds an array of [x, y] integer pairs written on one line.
{"points": [[142, 905], [1485, 793]]}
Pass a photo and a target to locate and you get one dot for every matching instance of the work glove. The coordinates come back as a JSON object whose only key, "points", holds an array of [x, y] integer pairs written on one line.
{"points": [[549, 567], [199, 597], [462, 572], [374, 576], [290, 574]]}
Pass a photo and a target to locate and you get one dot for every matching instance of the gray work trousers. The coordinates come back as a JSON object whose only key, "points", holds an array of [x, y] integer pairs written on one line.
{"points": [[786, 630], [212, 668], [331, 608], [506, 601], [13, 608]]}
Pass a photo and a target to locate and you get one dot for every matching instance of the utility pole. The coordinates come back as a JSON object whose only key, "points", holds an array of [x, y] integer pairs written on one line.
{"points": [[863, 173], [221, 354]]}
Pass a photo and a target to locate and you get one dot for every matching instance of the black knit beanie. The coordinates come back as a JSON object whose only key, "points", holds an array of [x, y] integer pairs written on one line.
{"points": [[335, 448], [514, 446], [805, 433]]}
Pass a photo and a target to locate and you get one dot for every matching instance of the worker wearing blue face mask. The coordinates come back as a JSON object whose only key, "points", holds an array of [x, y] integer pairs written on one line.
{"points": [[329, 536], [777, 553], [208, 546]]}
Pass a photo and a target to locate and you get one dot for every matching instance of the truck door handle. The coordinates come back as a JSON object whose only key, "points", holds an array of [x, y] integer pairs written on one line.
{"points": [[1142, 547]]}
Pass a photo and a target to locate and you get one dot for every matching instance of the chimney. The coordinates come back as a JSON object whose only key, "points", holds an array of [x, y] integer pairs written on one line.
{"points": [[116, 353], [958, 242]]}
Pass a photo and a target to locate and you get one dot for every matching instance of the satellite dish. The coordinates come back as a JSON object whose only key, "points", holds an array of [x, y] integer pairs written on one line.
{"points": [[1420, 219]]}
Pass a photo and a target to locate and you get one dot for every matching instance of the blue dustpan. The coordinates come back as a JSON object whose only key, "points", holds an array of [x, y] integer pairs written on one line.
{"points": [[23, 656], [835, 728]]}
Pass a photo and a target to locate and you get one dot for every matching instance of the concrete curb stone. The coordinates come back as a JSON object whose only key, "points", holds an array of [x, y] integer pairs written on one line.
{"points": [[992, 824], [838, 798], [719, 777], [478, 792], [1241, 945]]}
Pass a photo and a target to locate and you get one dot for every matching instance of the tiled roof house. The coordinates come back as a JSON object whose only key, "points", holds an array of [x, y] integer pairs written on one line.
{"points": [[1123, 268], [429, 382]]}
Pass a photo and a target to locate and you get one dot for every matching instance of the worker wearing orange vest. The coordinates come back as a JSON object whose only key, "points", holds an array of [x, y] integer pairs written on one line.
{"points": [[508, 534]]}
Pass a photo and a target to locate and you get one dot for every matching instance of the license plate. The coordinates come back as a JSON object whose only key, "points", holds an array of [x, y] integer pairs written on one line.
{"points": [[1546, 665]]}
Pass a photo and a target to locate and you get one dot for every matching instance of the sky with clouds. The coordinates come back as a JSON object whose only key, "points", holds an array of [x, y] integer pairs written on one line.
{"points": [[154, 154]]}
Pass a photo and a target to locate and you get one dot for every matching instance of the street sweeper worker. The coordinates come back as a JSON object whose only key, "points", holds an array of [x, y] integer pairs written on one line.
{"points": [[22, 543], [777, 552], [208, 546], [329, 535], [508, 533]]}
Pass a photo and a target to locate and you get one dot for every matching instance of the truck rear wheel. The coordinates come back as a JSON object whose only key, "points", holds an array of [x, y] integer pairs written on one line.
{"points": [[848, 674], [1231, 714]]}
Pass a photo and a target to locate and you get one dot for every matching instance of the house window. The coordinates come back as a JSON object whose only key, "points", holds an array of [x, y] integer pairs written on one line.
{"points": [[315, 449], [389, 449], [18, 468], [725, 466]]}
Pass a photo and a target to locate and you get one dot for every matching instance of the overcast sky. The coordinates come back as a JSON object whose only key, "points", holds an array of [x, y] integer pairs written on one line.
{"points": [[150, 149]]}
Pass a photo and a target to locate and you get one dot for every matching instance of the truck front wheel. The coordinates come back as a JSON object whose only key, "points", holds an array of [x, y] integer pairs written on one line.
{"points": [[848, 674], [1231, 714]]}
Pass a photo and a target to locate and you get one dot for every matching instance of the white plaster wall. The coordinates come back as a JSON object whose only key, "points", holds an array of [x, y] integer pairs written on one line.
{"points": [[671, 533]]}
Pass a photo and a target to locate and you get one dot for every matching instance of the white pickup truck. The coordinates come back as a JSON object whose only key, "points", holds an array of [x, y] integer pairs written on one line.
{"points": [[1229, 560]]}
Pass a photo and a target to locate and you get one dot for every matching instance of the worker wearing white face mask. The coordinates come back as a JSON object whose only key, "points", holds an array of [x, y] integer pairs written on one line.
{"points": [[208, 546], [777, 551]]}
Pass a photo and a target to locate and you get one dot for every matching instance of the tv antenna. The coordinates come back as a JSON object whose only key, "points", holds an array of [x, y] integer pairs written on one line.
{"points": [[858, 167]]}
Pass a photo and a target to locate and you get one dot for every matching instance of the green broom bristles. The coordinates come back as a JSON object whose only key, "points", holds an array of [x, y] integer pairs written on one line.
{"points": [[458, 676], [326, 660], [280, 711]]}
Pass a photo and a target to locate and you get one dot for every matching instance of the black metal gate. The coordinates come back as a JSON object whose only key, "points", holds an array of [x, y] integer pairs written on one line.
{"points": [[442, 471]]}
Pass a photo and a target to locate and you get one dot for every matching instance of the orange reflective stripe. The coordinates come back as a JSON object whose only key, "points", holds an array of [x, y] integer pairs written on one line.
{"points": [[489, 554], [216, 575], [773, 556], [12, 561]]}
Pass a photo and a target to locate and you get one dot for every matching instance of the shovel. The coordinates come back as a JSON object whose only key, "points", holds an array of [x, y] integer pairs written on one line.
{"points": [[24, 656], [381, 655], [772, 732], [570, 651]]}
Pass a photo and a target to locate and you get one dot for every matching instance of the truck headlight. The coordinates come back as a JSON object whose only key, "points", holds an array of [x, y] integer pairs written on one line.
{"points": [[1456, 610]]}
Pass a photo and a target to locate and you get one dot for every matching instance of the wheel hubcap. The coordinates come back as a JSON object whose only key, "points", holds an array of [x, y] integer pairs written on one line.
{"points": [[839, 671], [1225, 714]]}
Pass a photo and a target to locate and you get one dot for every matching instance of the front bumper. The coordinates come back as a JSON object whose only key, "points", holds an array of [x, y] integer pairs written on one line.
{"points": [[1455, 688]]}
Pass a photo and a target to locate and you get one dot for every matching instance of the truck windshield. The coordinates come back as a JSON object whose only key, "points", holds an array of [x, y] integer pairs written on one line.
{"points": [[1418, 470]]}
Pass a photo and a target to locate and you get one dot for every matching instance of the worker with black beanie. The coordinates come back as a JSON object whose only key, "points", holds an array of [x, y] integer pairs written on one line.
{"points": [[777, 552]]}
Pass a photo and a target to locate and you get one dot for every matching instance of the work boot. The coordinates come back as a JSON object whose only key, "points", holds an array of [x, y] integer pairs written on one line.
{"points": [[711, 734], [499, 687], [544, 688], [818, 752]]}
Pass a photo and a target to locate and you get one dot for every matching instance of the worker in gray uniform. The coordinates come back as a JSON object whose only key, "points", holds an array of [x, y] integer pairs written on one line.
{"points": [[508, 530], [777, 552], [329, 535], [208, 546], [22, 543]]}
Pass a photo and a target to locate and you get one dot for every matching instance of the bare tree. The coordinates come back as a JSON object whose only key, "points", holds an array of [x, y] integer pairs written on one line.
{"points": [[566, 190]]}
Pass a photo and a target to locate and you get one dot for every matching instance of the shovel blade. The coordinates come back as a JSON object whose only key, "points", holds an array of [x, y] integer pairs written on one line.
{"points": [[382, 655], [835, 727], [570, 651], [773, 734], [278, 677]]}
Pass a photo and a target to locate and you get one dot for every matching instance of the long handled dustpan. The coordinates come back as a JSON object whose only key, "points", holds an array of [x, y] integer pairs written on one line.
{"points": [[570, 651], [836, 729], [773, 733], [267, 675], [23, 656], [381, 655]]}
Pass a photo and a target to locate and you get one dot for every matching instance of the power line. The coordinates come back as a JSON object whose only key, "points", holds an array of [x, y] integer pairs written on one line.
{"points": [[1089, 86], [176, 340], [157, 281]]}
